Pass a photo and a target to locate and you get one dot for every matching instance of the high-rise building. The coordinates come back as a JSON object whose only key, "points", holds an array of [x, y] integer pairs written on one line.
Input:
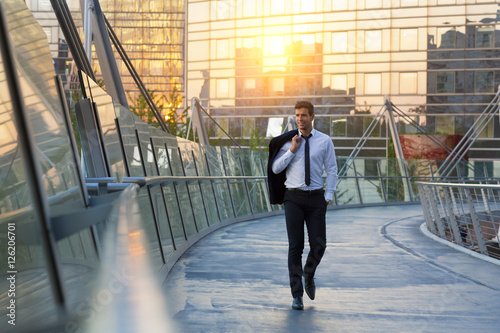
{"points": [[438, 61], [249, 61], [152, 34]]}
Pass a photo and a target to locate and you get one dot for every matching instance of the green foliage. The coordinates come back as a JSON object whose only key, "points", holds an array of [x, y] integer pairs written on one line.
{"points": [[257, 142], [140, 107], [177, 124]]}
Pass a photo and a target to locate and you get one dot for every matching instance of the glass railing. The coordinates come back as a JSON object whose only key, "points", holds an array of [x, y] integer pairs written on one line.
{"points": [[466, 214]]}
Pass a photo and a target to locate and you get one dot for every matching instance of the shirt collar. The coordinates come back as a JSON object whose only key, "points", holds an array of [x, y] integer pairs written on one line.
{"points": [[313, 132]]}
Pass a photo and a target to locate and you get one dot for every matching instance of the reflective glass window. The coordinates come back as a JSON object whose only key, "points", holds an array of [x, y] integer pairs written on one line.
{"points": [[338, 126], [409, 39], [198, 50], [373, 84], [373, 40], [278, 84], [484, 82], [248, 125], [339, 4], [373, 3], [339, 42], [224, 123], [249, 8], [408, 83], [445, 82], [408, 3], [446, 37], [339, 84], [44, 5], [277, 7], [198, 12], [249, 84], [303, 6], [445, 124], [308, 42], [274, 127], [222, 48], [485, 36], [487, 131], [223, 8], [222, 88], [307, 6]]}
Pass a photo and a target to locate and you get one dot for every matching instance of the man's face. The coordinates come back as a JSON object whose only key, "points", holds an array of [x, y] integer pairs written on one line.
{"points": [[303, 119]]}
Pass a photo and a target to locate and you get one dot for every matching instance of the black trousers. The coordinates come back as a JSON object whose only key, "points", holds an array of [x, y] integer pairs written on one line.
{"points": [[311, 208]]}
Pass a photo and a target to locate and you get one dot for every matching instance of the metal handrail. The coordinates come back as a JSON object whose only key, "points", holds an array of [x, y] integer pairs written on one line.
{"points": [[463, 214]]}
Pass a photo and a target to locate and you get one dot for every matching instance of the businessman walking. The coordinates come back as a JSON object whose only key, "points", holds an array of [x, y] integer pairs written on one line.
{"points": [[295, 173]]}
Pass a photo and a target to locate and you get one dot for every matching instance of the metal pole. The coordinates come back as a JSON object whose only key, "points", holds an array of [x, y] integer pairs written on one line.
{"points": [[87, 28]]}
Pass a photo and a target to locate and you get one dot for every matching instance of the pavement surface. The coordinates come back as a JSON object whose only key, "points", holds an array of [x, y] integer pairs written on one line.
{"points": [[380, 273]]}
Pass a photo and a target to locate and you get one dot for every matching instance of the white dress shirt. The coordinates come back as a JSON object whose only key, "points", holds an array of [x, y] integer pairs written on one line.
{"points": [[321, 154]]}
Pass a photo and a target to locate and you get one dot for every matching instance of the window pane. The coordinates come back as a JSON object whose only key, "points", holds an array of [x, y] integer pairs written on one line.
{"points": [[373, 84], [308, 43], [274, 127], [484, 82], [224, 123], [409, 39], [338, 127], [278, 84], [276, 46], [222, 48], [198, 51], [249, 83], [445, 82], [222, 88], [405, 3], [248, 125], [407, 83], [444, 125], [446, 38], [277, 7], [339, 4], [307, 6], [373, 40], [339, 42], [249, 8], [223, 8], [487, 131], [373, 3], [339, 84], [485, 36]]}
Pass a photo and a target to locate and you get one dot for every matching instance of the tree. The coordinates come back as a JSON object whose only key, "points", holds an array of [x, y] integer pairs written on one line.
{"points": [[140, 107], [176, 123]]}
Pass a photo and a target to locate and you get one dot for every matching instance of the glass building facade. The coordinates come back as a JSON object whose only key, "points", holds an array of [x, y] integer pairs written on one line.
{"points": [[152, 33], [249, 61], [438, 61]]}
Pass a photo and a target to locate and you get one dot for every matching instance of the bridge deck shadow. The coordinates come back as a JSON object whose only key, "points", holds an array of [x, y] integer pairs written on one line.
{"points": [[379, 274]]}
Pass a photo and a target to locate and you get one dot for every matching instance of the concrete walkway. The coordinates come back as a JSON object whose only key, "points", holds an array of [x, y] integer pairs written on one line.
{"points": [[379, 274]]}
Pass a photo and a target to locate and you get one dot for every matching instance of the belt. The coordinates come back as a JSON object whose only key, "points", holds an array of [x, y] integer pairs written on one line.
{"points": [[298, 190]]}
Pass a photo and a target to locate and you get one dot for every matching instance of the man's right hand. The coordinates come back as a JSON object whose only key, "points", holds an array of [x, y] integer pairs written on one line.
{"points": [[295, 143]]}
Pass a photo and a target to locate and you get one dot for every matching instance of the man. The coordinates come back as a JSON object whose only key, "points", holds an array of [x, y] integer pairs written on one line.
{"points": [[304, 197]]}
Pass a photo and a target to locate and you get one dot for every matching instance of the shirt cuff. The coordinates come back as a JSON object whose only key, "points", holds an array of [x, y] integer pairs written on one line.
{"points": [[328, 196]]}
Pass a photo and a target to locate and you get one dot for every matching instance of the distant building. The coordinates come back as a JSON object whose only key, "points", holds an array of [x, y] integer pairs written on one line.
{"points": [[249, 61]]}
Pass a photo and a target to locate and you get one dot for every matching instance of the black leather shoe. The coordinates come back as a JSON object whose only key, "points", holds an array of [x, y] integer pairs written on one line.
{"points": [[310, 287], [298, 304]]}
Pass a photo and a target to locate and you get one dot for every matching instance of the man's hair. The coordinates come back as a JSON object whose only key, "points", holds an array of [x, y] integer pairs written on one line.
{"points": [[305, 104]]}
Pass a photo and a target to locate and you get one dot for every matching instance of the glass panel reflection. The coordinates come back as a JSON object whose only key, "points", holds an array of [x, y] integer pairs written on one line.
{"points": [[106, 115]]}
